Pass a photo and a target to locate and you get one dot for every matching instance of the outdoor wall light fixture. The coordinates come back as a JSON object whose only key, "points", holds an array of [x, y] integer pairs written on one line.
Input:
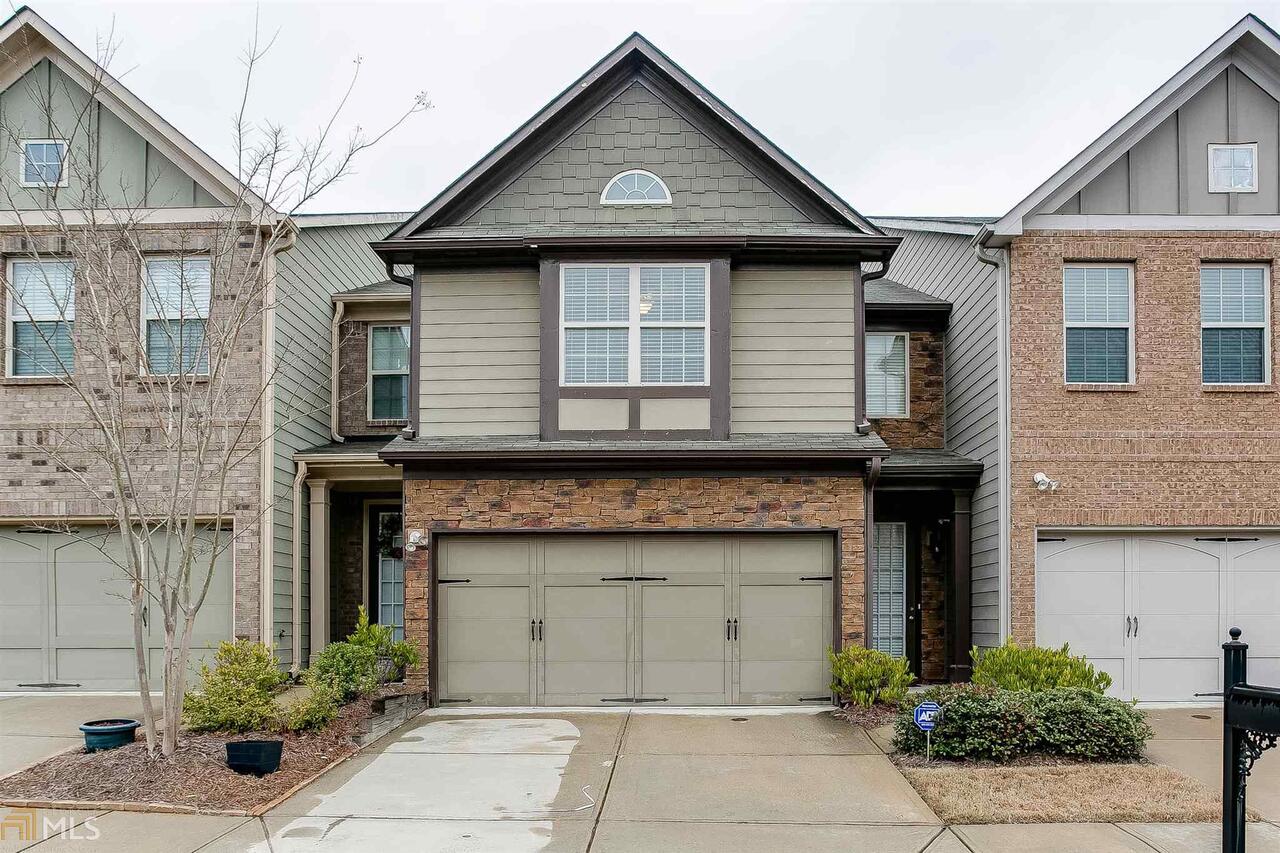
{"points": [[1043, 482], [415, 539]]}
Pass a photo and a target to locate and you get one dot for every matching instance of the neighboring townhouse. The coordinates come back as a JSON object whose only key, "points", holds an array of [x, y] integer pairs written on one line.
{"points": [[640, 460], [64, 617], [1143, 409]]}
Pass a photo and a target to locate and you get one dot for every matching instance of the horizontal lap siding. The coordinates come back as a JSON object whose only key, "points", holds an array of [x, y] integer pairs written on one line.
{"points": [[792, 345], [479, 352], [944, 265]]}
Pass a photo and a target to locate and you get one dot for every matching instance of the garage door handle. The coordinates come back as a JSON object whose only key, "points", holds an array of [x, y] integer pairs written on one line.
{"points": [[454, 580], [817, 578], [1128, 625], [539, 630], [1135, 626], [735, 630], [633, 578], [145, 614]]}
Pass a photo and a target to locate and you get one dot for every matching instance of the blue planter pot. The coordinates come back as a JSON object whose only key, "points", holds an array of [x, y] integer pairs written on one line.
{"points": [[108, 734], [258, 757]]}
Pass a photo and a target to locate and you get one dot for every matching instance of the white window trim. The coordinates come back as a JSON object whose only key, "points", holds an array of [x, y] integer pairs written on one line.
{"points": [[1265, 325], [1091, 324], [645, 201], [1214, 146], [370, 372], [144, 368], [906, 377], [633, 327], [22, 163], [11, 317]]}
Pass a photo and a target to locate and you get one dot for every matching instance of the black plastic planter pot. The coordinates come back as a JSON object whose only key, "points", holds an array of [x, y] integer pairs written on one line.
{"points": [[258, 757], [108, 734]]}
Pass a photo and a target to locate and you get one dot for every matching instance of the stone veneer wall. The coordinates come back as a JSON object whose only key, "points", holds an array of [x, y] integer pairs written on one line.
{"points": [[926, 421], [654, 503]]}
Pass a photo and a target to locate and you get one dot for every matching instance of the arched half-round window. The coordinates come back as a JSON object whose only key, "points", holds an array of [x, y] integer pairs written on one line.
{"points": [[635, 186]]}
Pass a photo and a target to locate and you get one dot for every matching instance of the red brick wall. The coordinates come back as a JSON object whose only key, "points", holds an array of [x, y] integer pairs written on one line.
{"points": [[927, 407], [1167, 451], [656, 503]]}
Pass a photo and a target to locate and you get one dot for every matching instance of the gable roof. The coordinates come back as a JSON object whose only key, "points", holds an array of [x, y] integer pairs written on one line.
{"points": [[635, 52], [26, 38], [940, 224], [1251, 45]]}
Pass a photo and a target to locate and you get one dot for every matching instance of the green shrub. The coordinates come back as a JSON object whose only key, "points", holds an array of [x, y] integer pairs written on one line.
{"points": [[317, 710], [350, 669], [1014, 667], [237, 694], [1084, 724], [380, 638], [984, 722], [867, 676]]}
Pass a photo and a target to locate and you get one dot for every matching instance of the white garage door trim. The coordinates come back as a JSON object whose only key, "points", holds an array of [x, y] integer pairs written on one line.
{"points": [[1152, 606]]}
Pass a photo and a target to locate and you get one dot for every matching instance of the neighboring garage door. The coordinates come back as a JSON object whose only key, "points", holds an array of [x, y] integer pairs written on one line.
{"points": [[619, 620], [1153, 609], [65, 617]]}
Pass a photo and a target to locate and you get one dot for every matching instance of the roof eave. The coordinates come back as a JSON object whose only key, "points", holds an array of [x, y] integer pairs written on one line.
{"points": [[639, 459]]}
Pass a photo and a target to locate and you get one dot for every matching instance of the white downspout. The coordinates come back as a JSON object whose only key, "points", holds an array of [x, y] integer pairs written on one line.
{"points": [[339, 310], [266, 494], [298, 479], [1000, 260]]}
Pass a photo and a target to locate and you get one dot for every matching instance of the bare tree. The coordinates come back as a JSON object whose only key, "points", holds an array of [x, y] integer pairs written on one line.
{"points": [[155, 329]]}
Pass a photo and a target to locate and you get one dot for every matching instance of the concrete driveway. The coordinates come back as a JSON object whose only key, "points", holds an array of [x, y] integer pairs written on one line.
{"points": [[35, 727]]}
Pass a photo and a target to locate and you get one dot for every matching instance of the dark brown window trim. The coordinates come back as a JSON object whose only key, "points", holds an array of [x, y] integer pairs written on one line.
{"points": [[551, 392]]}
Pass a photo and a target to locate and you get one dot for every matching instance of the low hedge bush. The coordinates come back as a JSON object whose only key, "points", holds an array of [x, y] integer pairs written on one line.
{"points": [[350, 669], [867, 676], [382, 640], [238, 691], [1014, 667], [988, 723], [317, 710]]}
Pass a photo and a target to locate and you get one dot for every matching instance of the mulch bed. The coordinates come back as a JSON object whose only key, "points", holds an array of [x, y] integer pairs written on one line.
{"points": [[196, 777], [869, 718]]}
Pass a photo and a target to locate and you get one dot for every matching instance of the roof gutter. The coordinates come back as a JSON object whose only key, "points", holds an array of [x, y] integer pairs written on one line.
{"points": [[335, 325], [863, 426], [398, 279]]}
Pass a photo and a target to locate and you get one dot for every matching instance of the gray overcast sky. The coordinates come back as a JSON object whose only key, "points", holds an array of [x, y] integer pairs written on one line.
{"points": [[902, 108]]}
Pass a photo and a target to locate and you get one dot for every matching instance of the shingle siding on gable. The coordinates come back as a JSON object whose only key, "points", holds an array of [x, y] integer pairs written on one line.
{"points": [[636, 130]]}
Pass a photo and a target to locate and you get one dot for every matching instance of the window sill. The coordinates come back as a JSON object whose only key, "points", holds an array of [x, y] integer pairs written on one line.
{"points": [[388, 422], [34, 380], [1100, 386], [1238, 389]]}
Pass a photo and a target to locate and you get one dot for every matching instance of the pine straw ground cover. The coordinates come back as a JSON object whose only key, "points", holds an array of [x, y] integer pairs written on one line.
{"points": [[1026, 792], [196, 777]]}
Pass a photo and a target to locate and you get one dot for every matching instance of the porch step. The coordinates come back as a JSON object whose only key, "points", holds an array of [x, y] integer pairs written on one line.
{"points": [[388, 713]]}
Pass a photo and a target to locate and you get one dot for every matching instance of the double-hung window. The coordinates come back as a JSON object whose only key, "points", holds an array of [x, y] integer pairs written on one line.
{"points": [[640, 324], [1233, 325], [1097, 309], [389, 373], [887, 375], [176, 293], [41, 317]]}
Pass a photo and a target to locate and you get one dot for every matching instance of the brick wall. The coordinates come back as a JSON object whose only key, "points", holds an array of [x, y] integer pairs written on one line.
{"points": [[42, 421], [933, 610], [925, 425], [657, 503], [346, 561], [1167, 451]]}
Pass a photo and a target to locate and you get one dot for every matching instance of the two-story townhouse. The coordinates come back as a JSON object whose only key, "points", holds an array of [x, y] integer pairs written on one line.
{"points": [[80, 147], [1139, 303], [643, 458]]}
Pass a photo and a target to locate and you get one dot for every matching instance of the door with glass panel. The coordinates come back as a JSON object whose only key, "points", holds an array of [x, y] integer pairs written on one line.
{"points": [[889, 589], [386, 524]]}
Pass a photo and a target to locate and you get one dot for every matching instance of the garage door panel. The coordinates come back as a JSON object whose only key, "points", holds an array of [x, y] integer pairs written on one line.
{"points": [[586, 645], [673, 556], [484, 602], [1176, 679], [1092, 636], [1183, 634], [1092, 592], [94, 667], [782, 682], [589, 556], [468, 556], [22, 666], [799, 554], [684, 651], [488, 682], [685, 682], [1163, 593], [1262, 633], [485, 647]]}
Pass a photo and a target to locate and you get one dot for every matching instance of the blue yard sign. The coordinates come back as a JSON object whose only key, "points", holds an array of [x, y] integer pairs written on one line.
{"points": [[926, 716]]}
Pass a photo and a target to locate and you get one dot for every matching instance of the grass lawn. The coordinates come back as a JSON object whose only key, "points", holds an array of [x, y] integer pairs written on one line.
{"points": [[1062, 793]]}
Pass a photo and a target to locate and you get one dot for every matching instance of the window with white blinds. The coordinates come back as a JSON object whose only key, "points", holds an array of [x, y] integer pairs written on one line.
{"points": [[640, 324], [41, 317], [889, 589], [1097, 311], [1233, 325], [887, 390], [175, 298]]}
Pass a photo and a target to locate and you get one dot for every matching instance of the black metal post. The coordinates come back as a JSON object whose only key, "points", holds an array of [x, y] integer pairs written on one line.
{"points": [[1234, 671]]}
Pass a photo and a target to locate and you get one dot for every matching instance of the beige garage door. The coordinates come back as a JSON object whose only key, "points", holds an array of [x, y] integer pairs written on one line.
{"points": [[637, 619], [65, 616]]}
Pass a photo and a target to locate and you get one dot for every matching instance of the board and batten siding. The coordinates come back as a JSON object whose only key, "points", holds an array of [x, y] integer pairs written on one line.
{"points": [[479, 352], [791, 350], [324, 261], [943, 265]]}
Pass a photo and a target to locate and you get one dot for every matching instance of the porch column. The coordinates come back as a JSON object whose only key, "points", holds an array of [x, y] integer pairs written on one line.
{"points": [[959, 605], [319, 565]]}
